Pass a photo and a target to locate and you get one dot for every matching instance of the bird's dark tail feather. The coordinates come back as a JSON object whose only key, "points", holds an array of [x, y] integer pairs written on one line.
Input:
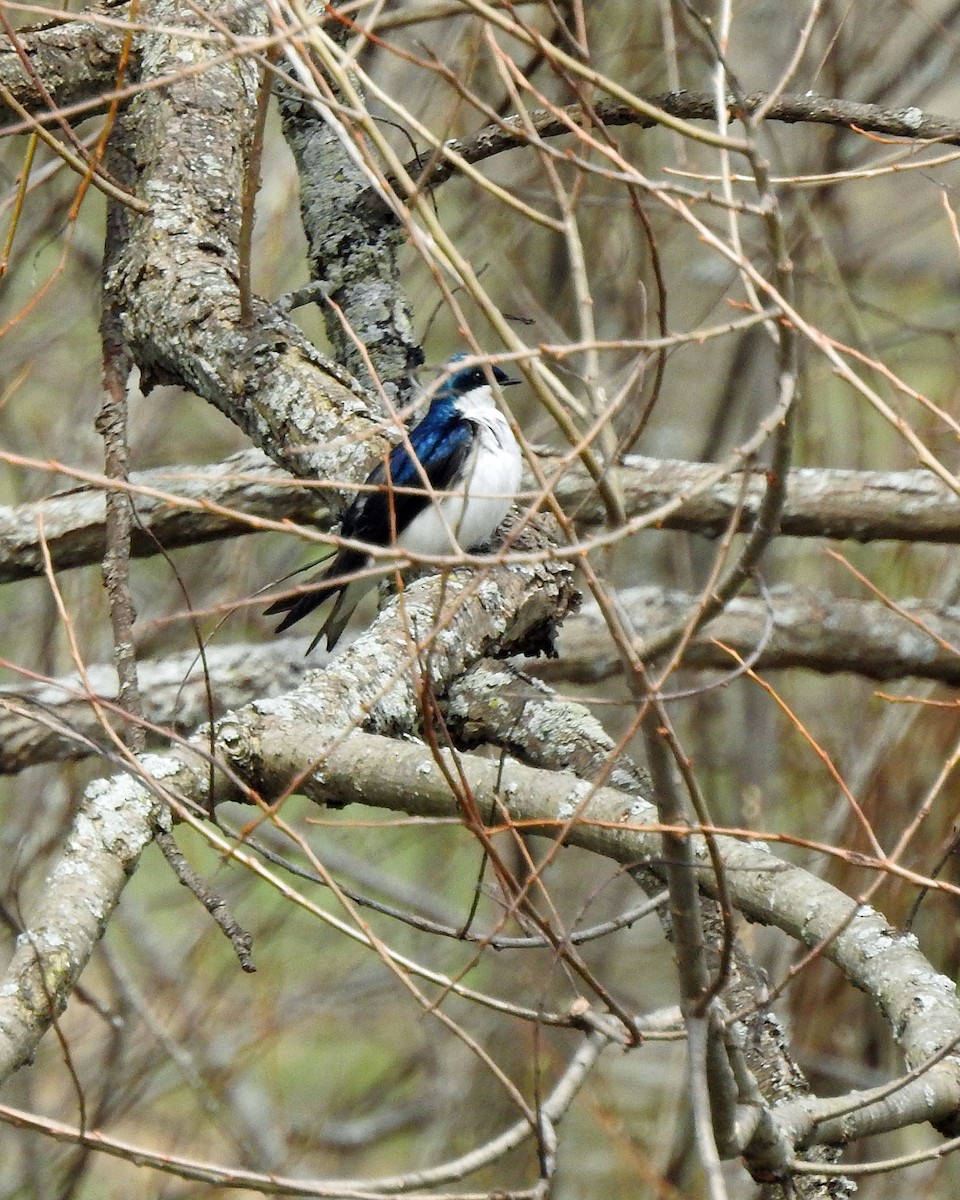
{"points": [[347, 593], [297, 607]]}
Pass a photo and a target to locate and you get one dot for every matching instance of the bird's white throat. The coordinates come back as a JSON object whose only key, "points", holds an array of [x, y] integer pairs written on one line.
{"points": [[475, 507]]}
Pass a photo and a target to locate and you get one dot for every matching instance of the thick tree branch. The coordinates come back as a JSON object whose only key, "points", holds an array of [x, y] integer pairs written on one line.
{"points": [[300, 737], [76, 59], [353, 251], [373, 684], [788, 627], [176, 506], [56, 720], [173, 274], [919, 1004], [195, 504], [492, 705], [862, 506]]}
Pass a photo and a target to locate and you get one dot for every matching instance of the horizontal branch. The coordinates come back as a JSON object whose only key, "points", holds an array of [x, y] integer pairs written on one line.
{"points": [[510, 133], [69, 718], [204, 503], [175, 506], [816, 631], [862, 506], [298, 740], [77, 60], [788, 627]]}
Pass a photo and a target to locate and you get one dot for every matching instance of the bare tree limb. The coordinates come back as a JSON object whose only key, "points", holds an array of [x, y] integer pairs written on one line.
{"points": [[44, 722], [173, 273], [919, 1004], [788, 627], [268, 745], [816, 631], [180, 506], [491, 704], [353, 251], [76, 58], [512, 132], [204, 503]]}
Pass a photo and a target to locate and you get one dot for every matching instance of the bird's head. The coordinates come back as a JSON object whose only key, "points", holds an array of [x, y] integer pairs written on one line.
{"points": [[465, 380]]}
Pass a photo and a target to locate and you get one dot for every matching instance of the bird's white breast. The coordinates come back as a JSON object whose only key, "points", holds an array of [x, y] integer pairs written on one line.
{"points": [[480, 501]]}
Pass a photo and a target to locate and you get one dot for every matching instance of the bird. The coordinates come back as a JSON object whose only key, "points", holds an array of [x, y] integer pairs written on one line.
{"points": [[465, 450]]}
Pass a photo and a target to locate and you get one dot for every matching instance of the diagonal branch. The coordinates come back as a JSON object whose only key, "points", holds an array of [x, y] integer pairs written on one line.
{"points": [[266, 746], [172, 274]]}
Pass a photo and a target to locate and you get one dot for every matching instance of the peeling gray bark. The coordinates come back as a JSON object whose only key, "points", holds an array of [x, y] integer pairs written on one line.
{"points": [[353, 251], [267, 745], [863, 505], [172, 275]]}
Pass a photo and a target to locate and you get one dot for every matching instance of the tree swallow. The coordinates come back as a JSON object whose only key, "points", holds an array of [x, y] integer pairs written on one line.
{"points": [[466, 453]]}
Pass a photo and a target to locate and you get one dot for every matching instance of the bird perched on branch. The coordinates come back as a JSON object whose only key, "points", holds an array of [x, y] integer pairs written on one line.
{"points": [[451, 496]]}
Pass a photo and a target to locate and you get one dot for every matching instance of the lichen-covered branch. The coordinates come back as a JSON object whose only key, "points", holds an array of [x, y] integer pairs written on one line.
{"points": [[353, 250], [76, 58], [266, 746], [171, 276], [919, 1004], [113, 826], [193, 502], [788, 626], [44, 722]]}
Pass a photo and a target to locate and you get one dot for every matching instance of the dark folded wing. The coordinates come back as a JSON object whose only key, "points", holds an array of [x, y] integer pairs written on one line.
{"points": [[442, 448]]}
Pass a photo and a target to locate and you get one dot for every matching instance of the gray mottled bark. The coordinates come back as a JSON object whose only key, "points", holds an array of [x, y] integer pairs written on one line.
{"points": [[353, 250], [172, 274], [76, 58], [268, 746], [63, 719], [491, 704], [788, 627], [861, 505], [919, 1005], [176, 506]]}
